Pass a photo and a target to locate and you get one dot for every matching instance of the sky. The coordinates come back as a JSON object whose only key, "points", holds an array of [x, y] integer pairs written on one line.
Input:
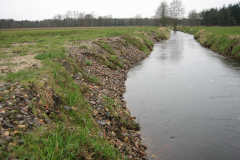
{"points": [[46, 9]]}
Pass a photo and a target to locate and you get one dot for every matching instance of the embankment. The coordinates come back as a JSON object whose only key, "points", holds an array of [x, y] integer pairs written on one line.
{"points": [[223, 40], [75, 109]]}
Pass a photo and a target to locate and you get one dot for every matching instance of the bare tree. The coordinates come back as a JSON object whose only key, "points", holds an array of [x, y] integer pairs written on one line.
{"points": [[138, 18], [75, 14], [162, 13], [193, 17], [176, 12]]}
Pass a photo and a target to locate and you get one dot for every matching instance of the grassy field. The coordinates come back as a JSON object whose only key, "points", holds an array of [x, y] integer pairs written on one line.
{"points": [[224, 40], [20, 49]]}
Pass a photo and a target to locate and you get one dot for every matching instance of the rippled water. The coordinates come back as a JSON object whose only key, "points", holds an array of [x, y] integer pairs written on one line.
{"points": [[187, 100]]}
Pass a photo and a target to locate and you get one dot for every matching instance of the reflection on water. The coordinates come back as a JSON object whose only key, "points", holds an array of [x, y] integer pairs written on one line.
{"points": [[187, 100]]}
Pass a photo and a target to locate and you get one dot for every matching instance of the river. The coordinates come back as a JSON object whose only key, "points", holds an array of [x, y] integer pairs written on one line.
{"points": [[187, 101]]}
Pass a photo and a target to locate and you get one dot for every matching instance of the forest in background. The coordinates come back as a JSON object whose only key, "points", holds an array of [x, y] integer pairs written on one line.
{"points": [[224, 16]]}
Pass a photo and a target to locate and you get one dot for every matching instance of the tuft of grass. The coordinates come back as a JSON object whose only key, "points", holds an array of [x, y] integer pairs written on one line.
{"points": [[54, 53], [113, 58], [144, 48], [87, 62], [83, 47], [106, 47]]}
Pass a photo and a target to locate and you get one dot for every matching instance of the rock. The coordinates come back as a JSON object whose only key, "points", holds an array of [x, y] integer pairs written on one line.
{"points": [[20, 142], [2, 142], [5, 133], [1, 119], [6, 91], [12, 156], [21, 104], [21, 126], [108, 115], [9, 103], [68, 108], [8, 138], [80, 75], [9, 148], [19, 117], [101, 122], [47, 121], [2, 89], [7, 125], [25, 109], [100, 133], [93, 103]]}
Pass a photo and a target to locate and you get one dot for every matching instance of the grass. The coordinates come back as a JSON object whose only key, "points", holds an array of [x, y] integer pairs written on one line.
{"points": [[224, 40], [87, 62], [106, 47], [83, 47], [49, 45]]}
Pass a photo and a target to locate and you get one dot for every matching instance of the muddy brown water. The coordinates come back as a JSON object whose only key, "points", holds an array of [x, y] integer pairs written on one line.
{"points": [[187, 100]]}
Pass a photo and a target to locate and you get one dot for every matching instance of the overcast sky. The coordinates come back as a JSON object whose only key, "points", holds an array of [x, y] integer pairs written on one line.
{"points": [[46, 9]]}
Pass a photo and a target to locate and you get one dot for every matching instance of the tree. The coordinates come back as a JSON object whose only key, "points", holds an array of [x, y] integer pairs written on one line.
{"points": [[162, 13], [193, 17], [176, 12]]}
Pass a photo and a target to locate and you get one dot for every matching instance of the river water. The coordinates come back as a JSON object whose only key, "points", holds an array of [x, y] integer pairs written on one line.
{"points": [[187, 101]]}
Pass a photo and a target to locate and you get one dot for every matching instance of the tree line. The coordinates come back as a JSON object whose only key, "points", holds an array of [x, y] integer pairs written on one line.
{"points": [[79, 19], [165, 15], [226, 16]]}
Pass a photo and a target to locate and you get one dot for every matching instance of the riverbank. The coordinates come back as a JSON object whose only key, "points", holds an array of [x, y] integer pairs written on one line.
{"points": [[68, 102], [223, 40]]}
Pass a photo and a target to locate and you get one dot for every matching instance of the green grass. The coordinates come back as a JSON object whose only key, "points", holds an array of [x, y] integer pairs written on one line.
{"points": [[87, 62], [83, 47], [224, 40]]}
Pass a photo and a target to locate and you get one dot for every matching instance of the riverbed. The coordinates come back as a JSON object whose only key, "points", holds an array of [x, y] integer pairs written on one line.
{"points": [[187, 101]]}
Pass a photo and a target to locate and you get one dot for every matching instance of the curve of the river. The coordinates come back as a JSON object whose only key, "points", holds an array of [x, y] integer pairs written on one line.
{"points": [[187, 100]]}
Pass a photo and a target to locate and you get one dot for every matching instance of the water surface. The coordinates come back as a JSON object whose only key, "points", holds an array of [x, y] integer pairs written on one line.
{"points": [[187, 100]]}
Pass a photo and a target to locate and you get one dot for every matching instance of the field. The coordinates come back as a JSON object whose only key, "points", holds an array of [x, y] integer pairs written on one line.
{"points": [[36, 57], [224, 40]]}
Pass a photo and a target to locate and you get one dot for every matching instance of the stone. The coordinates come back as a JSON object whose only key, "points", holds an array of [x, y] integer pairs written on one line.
{"points": [[8, 138], [68, 108], [2, 142], [100, 133], [1, 119], [7, 125], [101, 122], [108, 115], [2, 89], [20, 142], [25, 108], [19, 117], [21, 126], [12, 156], [5, 133], [93, 103]]}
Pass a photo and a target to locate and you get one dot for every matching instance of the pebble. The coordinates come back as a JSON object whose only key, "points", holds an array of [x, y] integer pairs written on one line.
{"points": [[68, 108], [5, 134], [8, 138], [7, 125], [19, 117], [101, 122], [100, 133]]}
